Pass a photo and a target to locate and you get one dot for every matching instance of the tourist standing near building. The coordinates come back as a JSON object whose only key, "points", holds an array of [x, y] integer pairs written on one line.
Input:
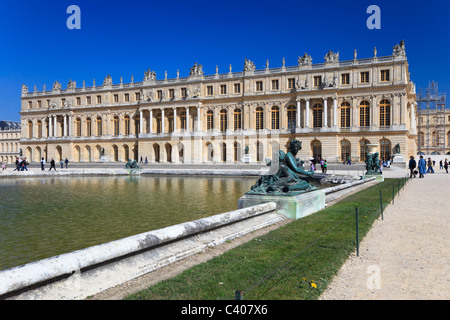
{"points": [[422, 167], [412, 167], [430, 166], [446, 165], [4, 165], [42, 164], [52, 165]]}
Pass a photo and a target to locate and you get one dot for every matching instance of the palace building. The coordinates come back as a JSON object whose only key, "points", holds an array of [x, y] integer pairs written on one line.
{"points": [[9, 141], [335, 108]]}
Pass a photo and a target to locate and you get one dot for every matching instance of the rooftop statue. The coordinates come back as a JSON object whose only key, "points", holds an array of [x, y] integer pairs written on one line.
{"points": [[290, 179]]}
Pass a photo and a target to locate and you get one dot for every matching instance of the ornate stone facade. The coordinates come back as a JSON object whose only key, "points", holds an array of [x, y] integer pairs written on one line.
{"points": [[335, 108], [9, 141]]}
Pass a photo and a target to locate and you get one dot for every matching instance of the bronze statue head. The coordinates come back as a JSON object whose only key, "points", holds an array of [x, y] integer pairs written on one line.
{"points": [[295, 146]]}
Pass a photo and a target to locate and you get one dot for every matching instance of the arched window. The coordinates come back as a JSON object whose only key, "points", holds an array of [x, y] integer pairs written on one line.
{"points": [[421, 139], [183, 121], [385, 149], [137, 124], [39, 129], [275, 118], [171, 128], [292, 117], [223, 120], [345, 114], [158, 123], [259, 118], [364, 114], [30, 129], [316, 147], [99, 126], [126, 122], [88, 127], [237, 151], [385, 113], [116, 125], [345, 149], [209, 120], [317, 115], [224, 152], [363, 149], [237, 119], [78, 127], [434, 138]]}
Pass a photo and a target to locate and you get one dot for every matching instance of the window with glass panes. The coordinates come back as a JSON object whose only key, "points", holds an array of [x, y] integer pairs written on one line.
{"points": [[345, 150], [364, 114], [275, 118], [291, 117], [345, 114], [259, 118], [209, 120], [237, 119], [363, 149], [223, 120], [385, 113], [317, 115]]}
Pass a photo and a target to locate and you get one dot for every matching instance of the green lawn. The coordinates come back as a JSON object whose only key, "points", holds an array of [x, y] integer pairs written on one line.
{"points": [[294, 262]]}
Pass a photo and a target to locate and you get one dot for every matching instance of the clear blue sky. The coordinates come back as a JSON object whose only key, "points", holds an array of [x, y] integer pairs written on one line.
{"points": [[124, 38]]}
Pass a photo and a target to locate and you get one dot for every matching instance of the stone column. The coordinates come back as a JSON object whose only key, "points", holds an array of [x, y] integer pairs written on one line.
{"points": [[174, 120], [297, 125], [307, 114], [150, 120], [335, 112], [70, 125], [50, 126], [141, 122], [65, 126], [55, 126], [325, 113], [187, 120], [413, 116], [162, 121], [199, 119]]}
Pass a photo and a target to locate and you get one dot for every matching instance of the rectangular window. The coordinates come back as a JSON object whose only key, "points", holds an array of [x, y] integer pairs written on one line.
{"points": [[210, 91], [183, 92], [237, 88], [99, 99], [364, 77], [126, 97], [171, 94], [345, 78], [63, 102], [223, 89], [137, 96], [78, 101], [384, 76], [291, 83], [159, 93], [275, 85], [48, 103], [88, 100], [39, 104], [317, 81], [116, 98], [30, 104], [259, 86]]}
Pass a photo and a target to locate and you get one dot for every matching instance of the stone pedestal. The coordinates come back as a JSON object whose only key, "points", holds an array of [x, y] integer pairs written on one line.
{"points": [[103, 158], [378, 177], [398, 158], [293, 207], [246, 158]]}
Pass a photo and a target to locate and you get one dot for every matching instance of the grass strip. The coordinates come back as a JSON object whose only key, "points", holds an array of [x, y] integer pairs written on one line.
{"points": [[294, 262]]}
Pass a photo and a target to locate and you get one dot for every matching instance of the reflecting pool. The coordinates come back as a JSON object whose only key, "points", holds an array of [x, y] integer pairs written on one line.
{"points": [[46, 216]]}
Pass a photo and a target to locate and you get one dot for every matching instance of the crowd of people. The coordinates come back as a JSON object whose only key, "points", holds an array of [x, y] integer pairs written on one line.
{"points": [[423, 166], [21, 164]]}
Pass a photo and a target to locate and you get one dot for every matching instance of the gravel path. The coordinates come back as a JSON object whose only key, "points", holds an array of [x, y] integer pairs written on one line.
{"points": [[407, 255]]}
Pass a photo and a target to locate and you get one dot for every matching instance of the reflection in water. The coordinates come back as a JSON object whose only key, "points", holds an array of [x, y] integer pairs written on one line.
{"points": [[43, 217]]}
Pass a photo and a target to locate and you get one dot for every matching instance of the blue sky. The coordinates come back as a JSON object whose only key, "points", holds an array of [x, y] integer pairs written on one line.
{"points": [[124, 38]]}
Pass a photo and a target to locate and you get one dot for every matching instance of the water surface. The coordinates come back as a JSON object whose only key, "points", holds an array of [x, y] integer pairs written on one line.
{"points": [[46, 216]]}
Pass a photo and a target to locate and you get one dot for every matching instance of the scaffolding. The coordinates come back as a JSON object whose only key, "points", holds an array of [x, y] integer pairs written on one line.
{"points": [[431, 109]]}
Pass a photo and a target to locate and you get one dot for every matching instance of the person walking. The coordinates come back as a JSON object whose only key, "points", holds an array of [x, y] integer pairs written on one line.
{"points": [[412, 167], [4, 165], [430, 166], [349, 161], [441, 165], [66, 162], [52, 165], [42, 164], [446, 165], [422, 167]]}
